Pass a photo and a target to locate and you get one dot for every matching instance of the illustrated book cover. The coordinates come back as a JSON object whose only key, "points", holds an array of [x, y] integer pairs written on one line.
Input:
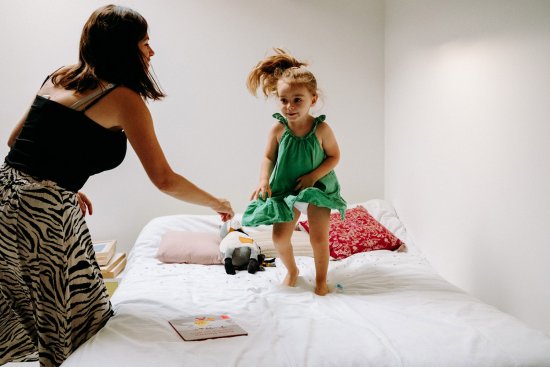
{"points": [[206, 327]]}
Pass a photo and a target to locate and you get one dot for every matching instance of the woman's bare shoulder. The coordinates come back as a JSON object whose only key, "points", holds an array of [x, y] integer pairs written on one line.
{"points": [[128, 103], [124, 92], [126, 97]]}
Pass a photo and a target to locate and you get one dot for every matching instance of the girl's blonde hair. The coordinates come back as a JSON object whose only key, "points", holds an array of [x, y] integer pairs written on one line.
{"points": [[281, 66]]}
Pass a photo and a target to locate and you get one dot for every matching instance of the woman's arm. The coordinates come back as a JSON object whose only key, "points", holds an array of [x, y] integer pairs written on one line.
{"points": [[136, 120]]}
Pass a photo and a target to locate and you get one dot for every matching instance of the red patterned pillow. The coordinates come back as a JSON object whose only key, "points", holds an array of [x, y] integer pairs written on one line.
{"points": [[359, 232]]}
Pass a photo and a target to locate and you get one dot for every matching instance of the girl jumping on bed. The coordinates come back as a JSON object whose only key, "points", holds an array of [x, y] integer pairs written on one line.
{"points": [[297, 169]]}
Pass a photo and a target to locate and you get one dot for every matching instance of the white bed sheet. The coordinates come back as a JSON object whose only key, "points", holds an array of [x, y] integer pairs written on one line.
{"points": [[394, 310]]}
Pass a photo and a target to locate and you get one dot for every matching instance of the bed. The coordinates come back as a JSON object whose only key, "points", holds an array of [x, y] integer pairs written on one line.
{"points": [[390, 308]]}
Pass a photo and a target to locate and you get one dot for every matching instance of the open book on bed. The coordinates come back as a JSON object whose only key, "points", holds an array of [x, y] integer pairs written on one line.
{"points": [[206, 327]]}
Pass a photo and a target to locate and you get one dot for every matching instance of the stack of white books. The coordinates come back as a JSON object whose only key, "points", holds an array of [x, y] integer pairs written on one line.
{"points": [[110, 262]]}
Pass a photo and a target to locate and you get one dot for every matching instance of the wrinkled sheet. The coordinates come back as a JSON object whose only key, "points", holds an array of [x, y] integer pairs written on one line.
{"points": [[391, 309]]}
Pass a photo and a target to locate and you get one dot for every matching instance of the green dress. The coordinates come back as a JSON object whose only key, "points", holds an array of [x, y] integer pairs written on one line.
{"points": [[296, 157]]}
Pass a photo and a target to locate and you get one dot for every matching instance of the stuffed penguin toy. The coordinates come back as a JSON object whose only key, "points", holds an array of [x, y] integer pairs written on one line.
{"points": [[238, 249]]}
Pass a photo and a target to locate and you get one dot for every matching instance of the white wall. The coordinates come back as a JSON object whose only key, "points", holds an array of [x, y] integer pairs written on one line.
{"points": [[467, 143], [212, 130]]}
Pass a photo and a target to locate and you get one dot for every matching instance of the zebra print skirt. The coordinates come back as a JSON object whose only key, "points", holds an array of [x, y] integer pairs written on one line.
{"points": [[52, 295]]}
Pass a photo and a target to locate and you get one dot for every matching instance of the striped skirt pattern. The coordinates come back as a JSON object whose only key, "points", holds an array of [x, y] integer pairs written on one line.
{"points": [[52, 295]]}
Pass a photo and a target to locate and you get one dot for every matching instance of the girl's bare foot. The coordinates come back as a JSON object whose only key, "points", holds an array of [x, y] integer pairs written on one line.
{"points": [[321, 289], [291, 278]]}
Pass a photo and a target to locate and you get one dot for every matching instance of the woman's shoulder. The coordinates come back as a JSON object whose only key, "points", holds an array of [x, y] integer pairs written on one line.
{"points": [[127, 100], [126, 96], [126, 92]]}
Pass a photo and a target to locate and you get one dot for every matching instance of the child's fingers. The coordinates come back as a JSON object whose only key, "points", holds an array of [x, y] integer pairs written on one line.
{"points": [[262, 193], [266, 193], [298, 184]]}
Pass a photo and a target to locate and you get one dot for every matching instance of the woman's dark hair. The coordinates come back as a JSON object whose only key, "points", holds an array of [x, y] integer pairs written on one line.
{"points": [[109, 51]]}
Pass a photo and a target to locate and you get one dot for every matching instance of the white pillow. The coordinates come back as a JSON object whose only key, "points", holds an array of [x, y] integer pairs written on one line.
{"points": [[300, 243], [384, 212]]}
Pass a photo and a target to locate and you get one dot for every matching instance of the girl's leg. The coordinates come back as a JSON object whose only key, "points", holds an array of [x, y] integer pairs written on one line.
{"points": [[282, 232], [319, 219]]}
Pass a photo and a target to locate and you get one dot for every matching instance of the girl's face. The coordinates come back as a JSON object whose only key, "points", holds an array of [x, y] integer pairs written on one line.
{"points": [[295, 100], [146, 50]]}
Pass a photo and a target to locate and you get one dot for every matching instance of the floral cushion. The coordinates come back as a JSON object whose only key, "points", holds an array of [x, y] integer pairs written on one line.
{"points": [[359, 232]]}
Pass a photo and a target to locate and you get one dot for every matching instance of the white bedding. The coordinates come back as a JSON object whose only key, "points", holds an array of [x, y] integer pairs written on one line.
{"points": [[393, 310]]}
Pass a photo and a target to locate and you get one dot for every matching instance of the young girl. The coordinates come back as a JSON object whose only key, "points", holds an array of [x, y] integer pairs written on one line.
{"points": [[297, 168]]}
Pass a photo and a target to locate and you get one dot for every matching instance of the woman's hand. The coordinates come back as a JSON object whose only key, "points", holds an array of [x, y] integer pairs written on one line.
{"points": [[84, 203], [223, 208], [263, 191]]}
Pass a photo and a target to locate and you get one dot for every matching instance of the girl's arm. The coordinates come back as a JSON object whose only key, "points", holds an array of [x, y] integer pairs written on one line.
{"points": [[332, 151], [268, 162], [136, 120]]}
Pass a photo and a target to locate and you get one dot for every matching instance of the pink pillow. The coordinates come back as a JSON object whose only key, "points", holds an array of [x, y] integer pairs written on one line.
{"points": [[359, 232], [190, 248]]}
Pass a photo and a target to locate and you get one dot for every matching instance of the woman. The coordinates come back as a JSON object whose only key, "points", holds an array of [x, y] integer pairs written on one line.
{"points": [[52, 296]]}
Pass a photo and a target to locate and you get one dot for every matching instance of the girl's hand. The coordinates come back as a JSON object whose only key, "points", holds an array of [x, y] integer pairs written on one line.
{"points": [[304, 182], [224, 209], [263, 191], [84, 203]]}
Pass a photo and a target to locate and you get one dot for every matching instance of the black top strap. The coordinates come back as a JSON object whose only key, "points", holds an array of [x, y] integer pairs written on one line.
{"points": [[49, 76], [45, 80]]}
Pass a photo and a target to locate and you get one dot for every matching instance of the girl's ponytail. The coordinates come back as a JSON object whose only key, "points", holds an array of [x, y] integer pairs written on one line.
{"points": [[268, 71]]}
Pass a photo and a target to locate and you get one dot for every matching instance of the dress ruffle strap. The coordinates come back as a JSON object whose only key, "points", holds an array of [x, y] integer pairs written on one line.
{"points": [[280, 117], [316, 121]]}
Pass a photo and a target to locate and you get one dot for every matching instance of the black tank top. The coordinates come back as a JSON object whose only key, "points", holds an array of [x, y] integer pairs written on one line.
{"points": [[62, 144]]}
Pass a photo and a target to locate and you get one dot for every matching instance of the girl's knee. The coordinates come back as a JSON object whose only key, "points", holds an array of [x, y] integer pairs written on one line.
{"points": [[318, 211], [282, 231], [280, 237], [318, 237], [318, 231], [319, 242]]}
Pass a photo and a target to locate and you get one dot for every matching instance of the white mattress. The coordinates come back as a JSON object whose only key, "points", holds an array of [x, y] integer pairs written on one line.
{"points": [[394, 310]]}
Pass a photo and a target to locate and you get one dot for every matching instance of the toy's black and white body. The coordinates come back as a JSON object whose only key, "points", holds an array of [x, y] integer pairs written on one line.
{"points": [[238, 249]]}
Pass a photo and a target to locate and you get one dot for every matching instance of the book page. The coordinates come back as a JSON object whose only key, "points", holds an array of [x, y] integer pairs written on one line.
{"points": [[206, 327]]}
